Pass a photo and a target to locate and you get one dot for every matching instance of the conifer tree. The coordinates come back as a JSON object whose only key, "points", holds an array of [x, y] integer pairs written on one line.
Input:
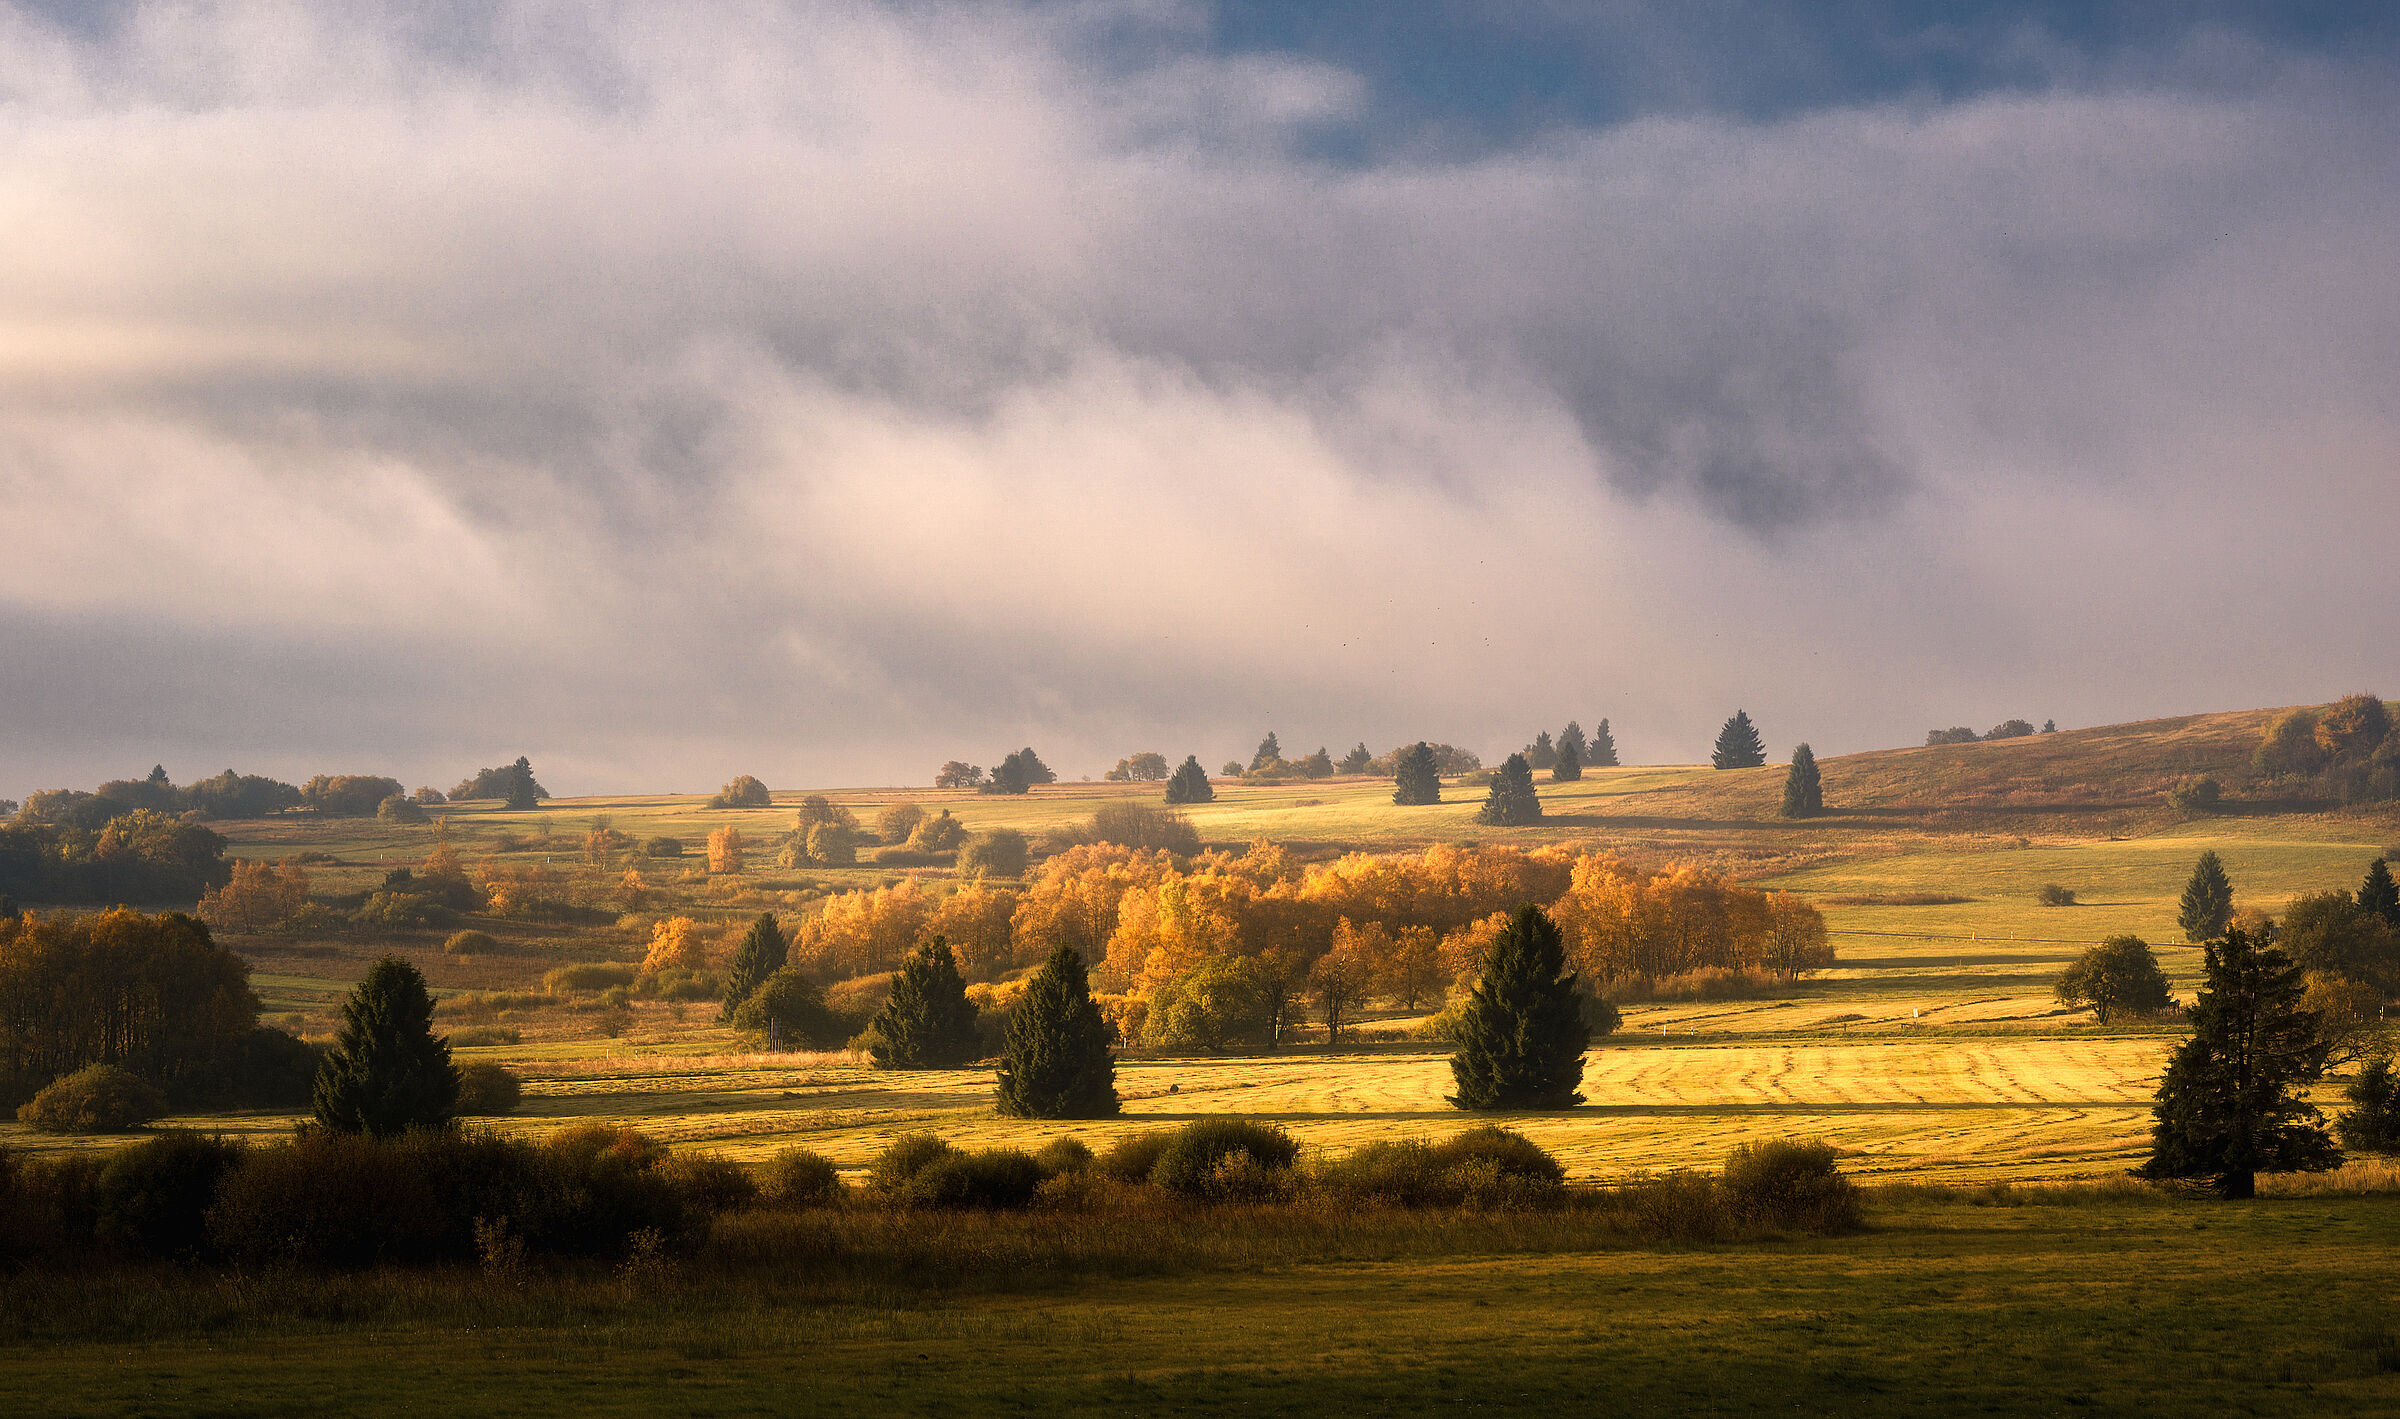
{"points": [[928, 1023], [1512, 802], [2378, 895], [386, 1073], [761, 954], [1803, 791], [2234, 1100], [1738, 744], [2372, 1122], [1541, 753], [1419, 776], [1268, 752], [1570, 763], [1356, 761], [1521, 1034], [1058, 1064], [519, 790], [1573, 735], [1189, 784], [1603, 754], [2207, 901]]}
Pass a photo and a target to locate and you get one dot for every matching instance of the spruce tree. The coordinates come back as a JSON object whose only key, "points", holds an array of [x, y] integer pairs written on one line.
{"points": [[1572, 735], [1058, 1064], [1541, 753], [928, 1023], [2207, 901], [520, 791], [1570, 763], [1356, 761], [1803, 791], [2377, 894], [1419, 776], [1521, 1035], [1512, 802], [2372, 1122], [386, 1073], [1603, 754], [1268, 752], [1189, 784], [761, 954], [2234, 1100], [1738, 744]]}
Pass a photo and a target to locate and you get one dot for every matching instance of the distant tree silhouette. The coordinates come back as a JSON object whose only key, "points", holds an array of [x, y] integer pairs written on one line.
{"points": [[1356, 761], [2378, 894], [1541, 753], [1512, 802], [1190, 783], [1269, 752], [1604, 749], [1569, 766], [1573, 735], [519, 790], [1738, 744], [1419, 776], [761, 954], [2118, 977], [1803, 791]]}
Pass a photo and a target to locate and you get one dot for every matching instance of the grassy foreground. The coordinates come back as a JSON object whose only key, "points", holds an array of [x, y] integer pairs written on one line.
{"points": [[2110, 1303]]}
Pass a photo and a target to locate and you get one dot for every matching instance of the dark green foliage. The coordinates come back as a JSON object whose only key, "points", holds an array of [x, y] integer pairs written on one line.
{"points": [[1569, 765], [129, 856], [1572, 737], [663, 847], [1356, 761], [1269, 752], [1064, 1157], [1419, 776], [2118, 977], [1541, 753], [2378, 894], [1511, 803], [1503, 1152], [743, 791], [1789, 1185], [1133, 1157], [1057, 1064], [2010, 729], [788, 1011], [386, 1072], [928, 1022], [1803, 790], [995, 852], [1221, 1001], [1738, 744], [2234, 1101], [1955, 734], [1484, 1165], [1316, 765], [98, 1098], [154, 1196], [1222, 1157], [1521, 1034], [2372, 1122], [2207, 907], [2330, 932], [2049, 726], [993, 1178], [761, 954], [487, 1090], [903, 1158], [800, 1177], [232, 795], [275, 1070], [1603, 753], [1018, 773], [2051, 894], [513, 784], [348, 795]]}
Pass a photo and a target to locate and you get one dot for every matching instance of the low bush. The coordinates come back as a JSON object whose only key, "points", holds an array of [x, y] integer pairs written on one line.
{"points": [[1505, 1154], [98, 1098], [709, 1183], [1394, 1173], [1064, 1156], [2200, 793], [1132, 1158], [485, 1090], [797, 1178], [152, 1198], [2053, 895], [1485, 1166], [470, 943], [663, 847], [1224, 1158], [1791, 1185], [988, 1178], [904, 1158], [1678, 1206], [590, 975], [471, 1036], [677, 983]]}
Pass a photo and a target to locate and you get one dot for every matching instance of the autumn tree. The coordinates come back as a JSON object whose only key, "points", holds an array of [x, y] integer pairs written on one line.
{"points": [[1796, 939], [928, 1022], [675, 945], [1738, 744], [725, 850], [1603, 754], [1521, 1036], [2234, 1100], [1019, 773], [2207, 906], [958, 773], [261, 896], [386, 1072], [1803, 791], [2289, 748], [1057, 1064], [1216, 1004], [1511, 803], [2352, 727], [762, 953], [1339, 982], [1412, 974], [2117, 978], [1190, 783], [1316, 765], [1419, 776]]}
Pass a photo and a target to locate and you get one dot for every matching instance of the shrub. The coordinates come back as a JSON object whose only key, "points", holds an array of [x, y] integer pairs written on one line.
{"points": [[607, 1185], [790, 1009], [593, 975], [1504, 1153], [1220, 1157], [663, 847], [469, 943], [1682, 1205], [2053, 895], [399, 808], [1790, 1184], [1395, 1173], [743, 792], [988, 1178], [798, 1177], [98, 1098], [938, 834], [710, 1184], [153, 1197], [2196, 794], [326, 1198], [470, 1036], [485, 1090], [1000, 852], [894, 824], [1132, 1158], [1064, 1156], [904, 1158]]}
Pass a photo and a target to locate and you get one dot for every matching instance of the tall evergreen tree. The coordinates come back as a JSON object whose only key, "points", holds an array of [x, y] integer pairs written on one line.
{"points": [[928, 1023], [2378, 895], [1419, 776], [2207, 900], [761, 954], [1738, 744], [1356, 761], [1541, 753], [519, 790], [386, 1072], [2234, 1100], [1512, 802], [2372, 1122], [1604, 749], [1570, 763], [1058, 1064], [1803, 791], [1189, 784], [1572, 735], [1268, 752], [1521, 1034]]}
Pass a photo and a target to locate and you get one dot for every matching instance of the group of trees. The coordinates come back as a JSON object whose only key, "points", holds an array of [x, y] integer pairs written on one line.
{"points": [[2005, 729], [1572, 752], [230, 795], [2348, 750], [513, 784], [136, 856]]}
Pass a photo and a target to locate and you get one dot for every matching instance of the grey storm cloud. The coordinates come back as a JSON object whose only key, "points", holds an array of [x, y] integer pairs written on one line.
{"points": [[826, 390]]}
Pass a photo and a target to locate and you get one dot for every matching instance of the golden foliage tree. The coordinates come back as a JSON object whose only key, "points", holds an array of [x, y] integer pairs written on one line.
{"points": [[675, 945], [861, 933], [725, 850], [977, 920], [259, 897]]}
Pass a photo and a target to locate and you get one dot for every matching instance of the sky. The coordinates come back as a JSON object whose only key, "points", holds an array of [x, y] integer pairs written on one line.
{"points": [[823, 391]]}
